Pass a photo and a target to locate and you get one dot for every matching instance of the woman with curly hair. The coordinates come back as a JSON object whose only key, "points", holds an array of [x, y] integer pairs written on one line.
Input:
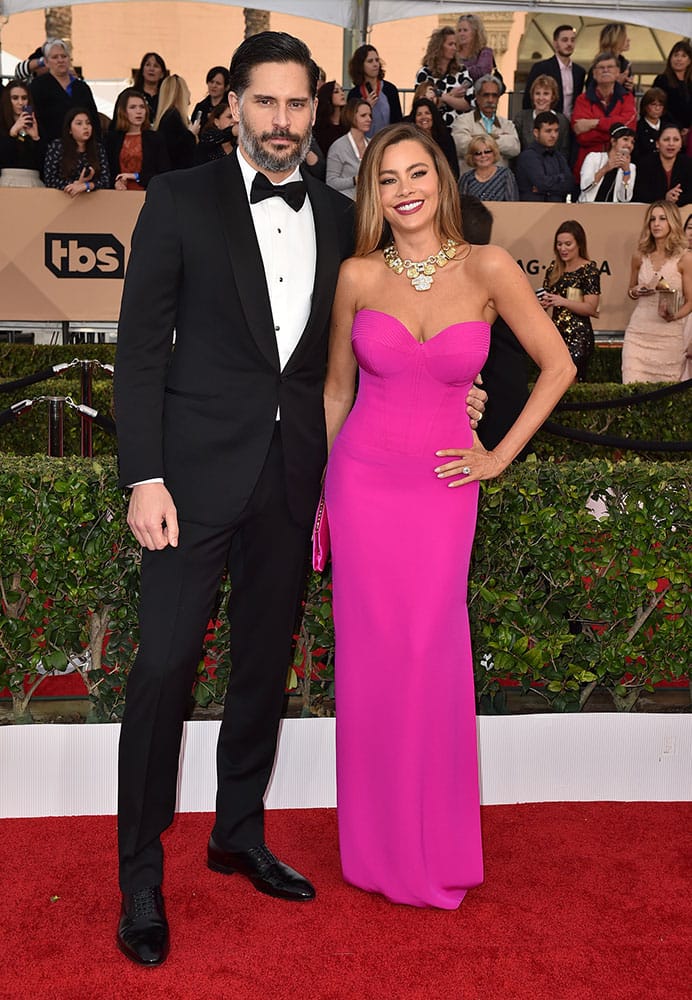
{"points": [[441, 68], [329, 125], [76, 163], [654, 344], [367, 73]]}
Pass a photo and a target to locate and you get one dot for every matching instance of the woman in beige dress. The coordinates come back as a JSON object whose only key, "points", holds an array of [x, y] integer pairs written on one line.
{"points": [[654, 346]]}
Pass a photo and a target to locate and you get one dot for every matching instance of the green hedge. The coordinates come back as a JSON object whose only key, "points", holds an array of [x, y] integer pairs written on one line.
{"points": [[572, 602], [18, 360], [23, 359], [604, 366], [665, 419], [28, 434]]}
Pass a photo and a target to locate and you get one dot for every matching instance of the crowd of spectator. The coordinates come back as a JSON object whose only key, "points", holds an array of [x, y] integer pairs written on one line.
{"points": [[619, 146], [582, 133]]}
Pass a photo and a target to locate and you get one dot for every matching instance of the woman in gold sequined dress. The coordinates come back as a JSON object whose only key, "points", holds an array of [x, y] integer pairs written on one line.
{"points": [[573, 292]]}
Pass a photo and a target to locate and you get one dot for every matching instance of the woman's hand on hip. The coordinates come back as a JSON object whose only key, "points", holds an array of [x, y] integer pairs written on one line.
{"points": [[471, 464]]}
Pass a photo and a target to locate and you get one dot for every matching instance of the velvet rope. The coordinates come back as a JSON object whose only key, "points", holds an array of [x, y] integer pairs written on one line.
{"points": [[19, 383], [639, 397], [609, 440]]}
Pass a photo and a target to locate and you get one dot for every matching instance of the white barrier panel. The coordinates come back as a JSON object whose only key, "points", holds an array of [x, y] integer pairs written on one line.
{"points": [[48, 770]]}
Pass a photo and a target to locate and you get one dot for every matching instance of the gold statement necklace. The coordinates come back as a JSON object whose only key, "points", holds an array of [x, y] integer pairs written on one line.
{"points": [[420, 272]]}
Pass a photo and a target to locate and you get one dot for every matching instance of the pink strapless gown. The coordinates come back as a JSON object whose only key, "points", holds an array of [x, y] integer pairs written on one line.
{"points": [[407, 771]]}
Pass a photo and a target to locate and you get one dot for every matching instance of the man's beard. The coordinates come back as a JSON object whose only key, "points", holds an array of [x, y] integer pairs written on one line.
{"points": [[273, 162]]}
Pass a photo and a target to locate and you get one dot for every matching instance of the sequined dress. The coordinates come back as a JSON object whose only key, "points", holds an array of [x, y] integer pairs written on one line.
{"points": [[576, 331]]}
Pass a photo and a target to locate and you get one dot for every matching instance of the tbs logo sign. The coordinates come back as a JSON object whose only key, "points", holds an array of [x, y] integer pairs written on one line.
{"points": [[84, 255]]}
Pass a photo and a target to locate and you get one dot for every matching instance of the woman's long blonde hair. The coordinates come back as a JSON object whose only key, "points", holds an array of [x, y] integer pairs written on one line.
{"points": [[372, 231], [173, 93], [480, 39], [675, 241]]}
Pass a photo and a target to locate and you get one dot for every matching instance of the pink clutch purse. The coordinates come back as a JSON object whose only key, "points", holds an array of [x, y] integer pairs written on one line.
{"points": [[320, 536]]}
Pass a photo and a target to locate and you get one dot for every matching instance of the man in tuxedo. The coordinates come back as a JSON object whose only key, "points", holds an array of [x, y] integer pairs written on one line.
{"points": [[222, 438], [567, 74]]}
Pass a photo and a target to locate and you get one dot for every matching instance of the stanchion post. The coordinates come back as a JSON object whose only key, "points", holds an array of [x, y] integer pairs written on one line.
{"points": [[86, 379], [56, 407]]}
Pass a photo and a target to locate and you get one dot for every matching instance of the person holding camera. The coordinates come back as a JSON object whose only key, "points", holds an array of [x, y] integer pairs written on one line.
{"points": [[610, 176], [76, 163], [21, 149], [573, 291], [366, 71]]}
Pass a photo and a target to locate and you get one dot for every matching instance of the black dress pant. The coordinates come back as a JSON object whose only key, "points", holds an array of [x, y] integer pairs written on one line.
{"points": [[266, 553]]}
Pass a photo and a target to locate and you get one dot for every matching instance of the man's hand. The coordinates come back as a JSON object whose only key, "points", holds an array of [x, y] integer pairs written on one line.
{"points": [[152, 516], [475, 402]]}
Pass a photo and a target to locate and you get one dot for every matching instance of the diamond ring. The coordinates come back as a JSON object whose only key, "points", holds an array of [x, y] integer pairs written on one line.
{"points": [[466, 470]]}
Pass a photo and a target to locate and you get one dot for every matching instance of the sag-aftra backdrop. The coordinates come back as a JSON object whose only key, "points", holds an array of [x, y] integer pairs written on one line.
{"points": [[64, 258]]}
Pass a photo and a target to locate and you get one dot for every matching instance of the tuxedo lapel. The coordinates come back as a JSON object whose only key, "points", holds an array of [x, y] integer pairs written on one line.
{"points": [[328, 261], [246, 260]]}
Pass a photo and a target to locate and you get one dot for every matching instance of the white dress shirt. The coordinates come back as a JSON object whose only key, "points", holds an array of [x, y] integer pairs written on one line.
{"points": [[567, 87], [288, 248]]}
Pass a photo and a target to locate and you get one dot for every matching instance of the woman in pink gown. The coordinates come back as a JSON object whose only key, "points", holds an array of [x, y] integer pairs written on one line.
{"points": [[402, 487]]}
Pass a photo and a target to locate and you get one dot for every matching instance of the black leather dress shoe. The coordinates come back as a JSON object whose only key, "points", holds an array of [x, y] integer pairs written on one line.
{"points": [[143, 928], [265, 871]]}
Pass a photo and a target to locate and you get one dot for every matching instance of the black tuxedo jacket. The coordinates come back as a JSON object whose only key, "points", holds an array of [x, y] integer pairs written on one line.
{"points": [[202, 414], [550, 67]]}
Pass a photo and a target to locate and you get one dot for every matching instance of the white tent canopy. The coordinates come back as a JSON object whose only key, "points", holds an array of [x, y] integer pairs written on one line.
{"points": [[667, 15]]}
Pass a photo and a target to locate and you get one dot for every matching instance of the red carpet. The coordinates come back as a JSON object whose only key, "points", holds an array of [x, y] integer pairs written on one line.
{"points": [[590, 901]]}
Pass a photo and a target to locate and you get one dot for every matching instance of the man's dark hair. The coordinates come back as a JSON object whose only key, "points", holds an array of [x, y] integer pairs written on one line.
{"points": [[545, 118], [476, 220], [270, 46], [560, 28]]}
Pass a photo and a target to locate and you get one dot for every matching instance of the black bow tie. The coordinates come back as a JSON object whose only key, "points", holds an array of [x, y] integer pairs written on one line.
{"points": [[293, 194]]}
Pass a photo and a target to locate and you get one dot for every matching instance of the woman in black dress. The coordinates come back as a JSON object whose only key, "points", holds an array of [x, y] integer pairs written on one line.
{"points": [[425, 116], [652, 118], [219, 136], [676, 82], [173, 124], [573, 292], [328, 127], [135, 152], [217, 81], [54, 93]]}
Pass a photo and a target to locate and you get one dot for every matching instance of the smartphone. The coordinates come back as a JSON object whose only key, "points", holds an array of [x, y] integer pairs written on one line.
{"points": [[197, 118], [540, 292], [368, 86]]}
